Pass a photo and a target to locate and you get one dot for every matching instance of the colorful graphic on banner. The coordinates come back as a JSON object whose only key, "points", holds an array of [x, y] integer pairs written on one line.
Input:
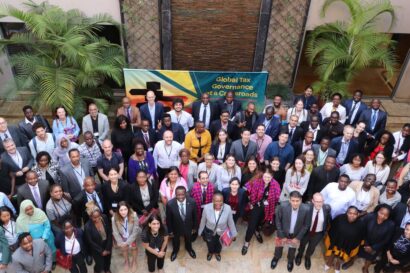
{"points": [[189, 85]]}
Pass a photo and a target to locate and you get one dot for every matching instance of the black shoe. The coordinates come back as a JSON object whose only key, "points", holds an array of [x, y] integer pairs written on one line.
{"points": [[192, 254], [290, 266], [218, 257], [53, 267], [308, 263], [274, 263], [259, 237], [89, 260], [173, 256], [209, 256], [244, 250], [348, 264], [298, 260]]}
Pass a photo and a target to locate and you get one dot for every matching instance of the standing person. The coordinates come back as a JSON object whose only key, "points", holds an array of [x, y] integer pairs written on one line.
{"points": [[298, 110], [301, 146], [354, 107], [58, 209], [7, 185], [251, 169], [235, 197], [344, 146], [279, 173], [11, 132], [71, 242], [294, 131], [360, 135], [383, 142], [130, 111], [322, 151], [210, 167], [243, 148], [228, 170], [262, 141], [166, 152], [87, 196], [321, 176], [167, 125], [125, 230], [221, 146], [230, 104], [47, 169], [65, 124], [187, 167], [113, 192], [223, 123], [332, 192], [313, 125], [246, 118], [354, 168], [292, 222], [379, 167], [297, 179], [181, 221], [202, 192], [170, 183], [374, 118], [61, 152], [96, 122], [122, 137], [270, 122], [90, 150], [198, 141], [147, 135], [26, 125], [8, 225], [152, 110], [180, 116], [141, 160], [320, 220], [142, 195], [333, 106], [281, 149], [34, 189], [307, 98], [314, 111], [41, 141], [108, 160], [400, 137], [5, 258], [264, 195], [310, 161], [344, 238], [367, 195], [216, 218], [204, 110], [278, 107], [390, 196], [32, 256], [332, 127]]}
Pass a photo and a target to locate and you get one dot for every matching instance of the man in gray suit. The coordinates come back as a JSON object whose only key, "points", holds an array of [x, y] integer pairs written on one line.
{"points": [[72, 175], [32, 256], [11, 132], [244, 148], [96, 122], [292, 222], [322, 151], [35, 190]]}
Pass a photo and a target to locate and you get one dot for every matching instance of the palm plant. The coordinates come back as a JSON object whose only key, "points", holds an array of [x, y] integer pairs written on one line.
{"points": [[340, 50], [64, 61]]}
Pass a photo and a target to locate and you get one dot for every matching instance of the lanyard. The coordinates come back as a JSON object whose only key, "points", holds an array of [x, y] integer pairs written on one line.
{"points": [[10, 231], [79, 173], [125, 227], [261, 143], [168, 154]]}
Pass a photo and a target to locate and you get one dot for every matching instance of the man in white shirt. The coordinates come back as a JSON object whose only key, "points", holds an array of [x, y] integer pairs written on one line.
{"points": [[43, 141], [333, 106], [180, 116], [400, 137], [166, 153], [339, 196]]}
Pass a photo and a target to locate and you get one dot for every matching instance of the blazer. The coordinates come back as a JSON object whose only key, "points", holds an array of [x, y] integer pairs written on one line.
{"points": [[348, 105], [242, 199], [215, 126], [273, 127], [103, 126], [134, 198], [136, 115], [297, 133], [40, 261], [175, 224], [380, 122], [79, 235], [326, 216], [226, 220], [79, 202], [9, 163], [374, 194], [93, 237], [215, 149], [316, 147], [152, 136], [133, 230], [18, 137], [318, 179], [319, 133], [336, 143], [196, 108], [236, 107], [237, 150], [159, 112], [27, 128], [177, 130], [24, 192], [283, 219], [298, 147], [69, 179]]}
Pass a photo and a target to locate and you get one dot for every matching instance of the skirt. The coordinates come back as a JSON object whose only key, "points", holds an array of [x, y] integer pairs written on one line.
{"points": [[342, 254]]}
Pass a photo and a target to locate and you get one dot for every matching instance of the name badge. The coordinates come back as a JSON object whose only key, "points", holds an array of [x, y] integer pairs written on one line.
{"points": [[234, 212], [96, 134], [114, 205], [266, 202], [150, 149]]}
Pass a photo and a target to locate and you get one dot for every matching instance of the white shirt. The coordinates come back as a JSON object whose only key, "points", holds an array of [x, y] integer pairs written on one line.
{"points": [[221, 152], [355, 109], [30, 122], [314, 131], [306, 147], [405, 220], [48, 145], [363, 199], [3, 135], [166, 156], [320, 220], [327, 109], [69, 245], [152, 114], [293, 219], [145, 196], [17, 159], [79, 173], [10, 232], [338, 200], [302, 114], [398, 137], [185, 119], [208, 114]]}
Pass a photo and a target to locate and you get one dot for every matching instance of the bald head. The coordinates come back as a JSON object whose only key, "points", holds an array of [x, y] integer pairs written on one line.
{"points": [[107, 147], [317, 200], [168, 137], [151, 97]]}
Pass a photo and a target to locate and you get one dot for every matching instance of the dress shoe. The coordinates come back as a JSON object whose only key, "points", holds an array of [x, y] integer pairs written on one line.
{"points": [[192, 254], [173, 256], [298, 260], [209, 256], [218, 257], [348, 264], [308, 263], [244, 250], [274, 263], [290, 266], [259, 237]]}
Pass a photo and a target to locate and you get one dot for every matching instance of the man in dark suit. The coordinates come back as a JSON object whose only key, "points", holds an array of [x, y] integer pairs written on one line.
{"points": [[26, 124], [292, 222], [229, 103], [168, 125], [225, 123], [12, 132], [303, 145], [17, 160], [294, 131], [271, 122], [91, 192], [322, 151], [313, 125], [152, 110], [72, 175], [146, 134], [35, 190], [320, 219], [204, 110], [244, 148], [307, 98], [181, 221], [344, 146], [246, 118], [321, 176], [374, 118], [354, 108]]}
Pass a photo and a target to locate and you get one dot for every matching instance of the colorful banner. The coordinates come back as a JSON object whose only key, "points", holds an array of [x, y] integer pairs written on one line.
{"points": [[189, 85]]}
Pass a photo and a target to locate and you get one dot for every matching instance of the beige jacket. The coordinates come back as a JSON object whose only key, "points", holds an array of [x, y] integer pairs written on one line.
{"points": [[374, 194]]}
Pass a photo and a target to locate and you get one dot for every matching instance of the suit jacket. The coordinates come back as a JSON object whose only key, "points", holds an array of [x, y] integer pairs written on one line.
{"points": [[242, 199], [175, 224], [40, 261], [19, 138], [79, 202], [318, 179], [10, 165], [93, 237], [134, 198], [237, 150], [226, 220], [152, 136], [216, 126], [27, 128], [273, 127], [215, 149], [319, 133], [326, 215], [79, 235], [283, 219], [348, 105], [316, 147], [366, 117], [196, 108], [297, 133], [236, 107], [69, 180], [177, 129], [24, 192], [103, 125], [336, 143], [159, 111]]}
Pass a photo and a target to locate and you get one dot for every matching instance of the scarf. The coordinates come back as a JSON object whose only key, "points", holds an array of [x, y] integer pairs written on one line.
{"points": [[60, 154], [402, 245], [24, 220]]}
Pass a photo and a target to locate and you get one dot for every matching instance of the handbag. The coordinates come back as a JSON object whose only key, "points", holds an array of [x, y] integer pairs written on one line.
{"points": [[268, 228], [65, 261], [208, 234], [226, 237]]}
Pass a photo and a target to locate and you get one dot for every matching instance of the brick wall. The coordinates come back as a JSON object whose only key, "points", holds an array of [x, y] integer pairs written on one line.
{"points": [[214, 34]]}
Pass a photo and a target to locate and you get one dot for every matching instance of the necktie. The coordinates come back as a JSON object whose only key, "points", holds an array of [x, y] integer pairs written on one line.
{"points": [[291, 133], [373, 119], [313, 230], [204, 115], [97, 202], [182, 211], [146, 139], [129, 113], [37, 198], [203, 195], [351, 116], [6, 136]]}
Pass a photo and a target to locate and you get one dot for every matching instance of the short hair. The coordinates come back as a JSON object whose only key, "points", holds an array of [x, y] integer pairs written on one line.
{"points": [[335, 113], [295, 194], [184, 150], [73, 150], [217, 193], [25, 107], [361, 157], [37, 125], [352, 207], [199, 122], [345, 176], [8, 140], [283, 132], [244, 129], [308, 87], [406, 125], [259, 125], [391, 181], [88, 133], [325, 138], [225, 111], [166, 115], [178, 100], [52, 187], [22, 236], [250, 103], [41, 154], [180, 188], [201, 172], [337, 94], [358, 91], [234, 179]]}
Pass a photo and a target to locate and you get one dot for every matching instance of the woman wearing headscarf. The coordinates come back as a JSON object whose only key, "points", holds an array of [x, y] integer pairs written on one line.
{"points": [[60, 153]]}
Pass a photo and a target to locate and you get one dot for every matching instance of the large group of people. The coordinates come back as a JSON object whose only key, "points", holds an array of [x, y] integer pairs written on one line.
{"points": [[333, 175]]}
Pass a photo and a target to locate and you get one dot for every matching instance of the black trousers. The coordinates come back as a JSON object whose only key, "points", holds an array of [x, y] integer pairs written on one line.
{"points": [[161, 174], [102, 263], [152, 259], [214, 246], [291, 251], [78, 264], [312, 241], [256, 218], [176, 242]]}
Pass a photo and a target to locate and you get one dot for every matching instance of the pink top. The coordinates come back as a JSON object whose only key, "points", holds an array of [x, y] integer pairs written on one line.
{"points": [[261, 144], [183, 169], [168, 192]]}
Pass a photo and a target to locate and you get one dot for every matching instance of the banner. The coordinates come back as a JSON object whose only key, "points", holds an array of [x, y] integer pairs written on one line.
{"points": [[189, 85]]}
